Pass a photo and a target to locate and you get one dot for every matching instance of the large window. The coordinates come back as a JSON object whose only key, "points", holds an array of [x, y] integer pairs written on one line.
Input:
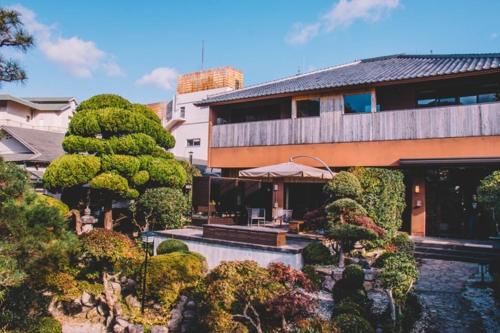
{"points": [[193, 142], [308, 108], [358, 103], [464, 96], [183, 112]]}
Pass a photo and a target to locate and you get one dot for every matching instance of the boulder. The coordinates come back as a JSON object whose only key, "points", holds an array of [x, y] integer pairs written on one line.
{"points": [[119, 329], [132, 302], [92, 315], [380, 301], [159, 329], [135, 329], [122, 322], [328, 283], [191, 305], [87, 299]]}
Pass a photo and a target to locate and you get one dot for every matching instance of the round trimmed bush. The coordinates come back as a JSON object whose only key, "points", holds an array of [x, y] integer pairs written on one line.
{"points": [[171, 245], [53, 202], [344, 185], [109, 181], [353, 276], [317, 254], [169, 274], [141, 177], [403, 243], [347, 307], [124, 164], [342, 291], [71, 170], [350, 323], [103, 101], [145, 111]]}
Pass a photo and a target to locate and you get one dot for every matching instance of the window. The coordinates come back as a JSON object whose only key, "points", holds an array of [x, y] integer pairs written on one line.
{"points": [[183, 112], [488, 98], [467, 100], [28, 118], [307, 108], [193, 142], [237, 84], [358, 103]]}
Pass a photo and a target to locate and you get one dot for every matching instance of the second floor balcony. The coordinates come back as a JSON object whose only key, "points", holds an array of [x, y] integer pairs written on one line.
{"points": [[337, 127]]}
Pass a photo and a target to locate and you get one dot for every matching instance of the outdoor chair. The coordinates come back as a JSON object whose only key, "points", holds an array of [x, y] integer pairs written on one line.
{"points": [[283, 215], [256, 214]]}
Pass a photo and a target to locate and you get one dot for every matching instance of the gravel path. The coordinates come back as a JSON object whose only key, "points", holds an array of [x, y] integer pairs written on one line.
{"points": [[453, 300]]}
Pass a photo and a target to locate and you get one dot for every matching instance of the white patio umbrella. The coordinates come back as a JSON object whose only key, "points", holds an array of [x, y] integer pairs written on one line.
{"points": [[287, 169]]}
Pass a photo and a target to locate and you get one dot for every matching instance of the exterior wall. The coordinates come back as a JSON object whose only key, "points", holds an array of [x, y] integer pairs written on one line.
{"points": [[377, 153], [15, 114], [216, 78], [333, 126], [193, 125], [216, 253]]}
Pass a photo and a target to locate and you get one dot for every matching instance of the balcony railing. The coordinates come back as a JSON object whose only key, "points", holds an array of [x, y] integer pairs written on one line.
{"points": [[333, 127]]}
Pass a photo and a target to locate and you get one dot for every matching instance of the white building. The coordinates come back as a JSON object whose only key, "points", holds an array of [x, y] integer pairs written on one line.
{"points": [[41, 113], [187, 122]]}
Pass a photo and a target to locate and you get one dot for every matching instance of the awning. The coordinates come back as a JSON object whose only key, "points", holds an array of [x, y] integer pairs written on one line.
{"points": [[288, 169]]}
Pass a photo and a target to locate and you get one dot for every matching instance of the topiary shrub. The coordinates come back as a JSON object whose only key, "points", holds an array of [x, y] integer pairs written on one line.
{"points": [[140, 178], [317, 254], [403, 243], [124, 164], [344, 185], [353, 276], [342, 290], [169, 274], [166, 172], [110, 251], [145, 111], [71, 170], [171, 245], [53, 202], [131, 144], [112, 182], [46, 325], [350, 323], [103, 101]]}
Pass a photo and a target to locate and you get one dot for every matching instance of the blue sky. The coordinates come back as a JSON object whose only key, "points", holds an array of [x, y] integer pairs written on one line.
{"points": [[136, 48]]}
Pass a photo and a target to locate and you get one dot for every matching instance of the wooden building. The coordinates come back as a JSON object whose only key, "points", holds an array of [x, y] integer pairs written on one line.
{"points": [[435, 116]]}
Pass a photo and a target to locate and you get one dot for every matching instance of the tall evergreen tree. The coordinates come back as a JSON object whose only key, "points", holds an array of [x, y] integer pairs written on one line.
{"points": [[119, 149], [13, 35]]}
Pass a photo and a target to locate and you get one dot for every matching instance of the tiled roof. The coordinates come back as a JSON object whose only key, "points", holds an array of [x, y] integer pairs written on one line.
{"points": [[367, 72], [39, 103], [46, 146]]}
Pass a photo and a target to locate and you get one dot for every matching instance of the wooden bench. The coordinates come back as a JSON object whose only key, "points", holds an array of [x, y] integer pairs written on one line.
{"points": [[251, 235]]}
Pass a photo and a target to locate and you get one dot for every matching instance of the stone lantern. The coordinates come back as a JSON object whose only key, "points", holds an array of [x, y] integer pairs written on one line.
{"points": [[87, 221]]}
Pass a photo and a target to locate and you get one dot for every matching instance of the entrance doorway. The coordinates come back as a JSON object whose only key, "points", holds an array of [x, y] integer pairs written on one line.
{"points": [[452, 209]]}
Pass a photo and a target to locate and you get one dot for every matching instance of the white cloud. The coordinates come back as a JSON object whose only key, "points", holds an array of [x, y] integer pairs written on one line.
{"points": [[494, 35], [342, 14], [79, 57], [302, 33], [161, 77]]}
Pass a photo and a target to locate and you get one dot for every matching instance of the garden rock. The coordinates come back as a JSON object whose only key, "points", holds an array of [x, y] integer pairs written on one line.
{"points": [[191, 305], [328, 283], [380, 301], [159, 329], [119, 329], [135, 329], [174, 324], [92, 315], [122, 322], [132, 302], [87, 299]]}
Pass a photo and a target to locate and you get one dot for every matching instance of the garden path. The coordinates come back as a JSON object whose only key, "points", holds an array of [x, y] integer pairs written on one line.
{"points": [[453, 299]]}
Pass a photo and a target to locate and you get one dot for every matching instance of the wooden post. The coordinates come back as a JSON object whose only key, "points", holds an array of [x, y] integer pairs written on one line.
{"points": [[418, 206], [108, 214]]}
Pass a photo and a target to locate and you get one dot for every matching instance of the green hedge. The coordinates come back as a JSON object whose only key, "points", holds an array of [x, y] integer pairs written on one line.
{"points": [[140, 178], [71, 170], [353, 276], [350, 323], [383, 197], [145, 111], [165, 172], [171, 245]]}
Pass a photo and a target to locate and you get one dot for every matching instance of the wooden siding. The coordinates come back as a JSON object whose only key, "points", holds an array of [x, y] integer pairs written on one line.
{"points": [[333, 126]]}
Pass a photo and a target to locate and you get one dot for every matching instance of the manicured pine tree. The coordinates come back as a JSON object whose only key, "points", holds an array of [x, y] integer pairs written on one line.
{"points": [[119, 149]]}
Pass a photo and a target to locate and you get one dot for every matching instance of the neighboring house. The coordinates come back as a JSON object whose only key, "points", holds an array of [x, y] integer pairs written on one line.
{"points": [[187, 122], [32, 149], [437, 117], [43, 113]]}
